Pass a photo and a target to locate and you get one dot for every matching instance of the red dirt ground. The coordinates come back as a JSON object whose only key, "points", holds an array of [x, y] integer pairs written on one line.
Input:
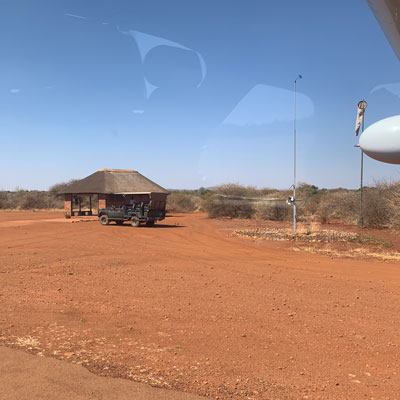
{"points": [[186, 306]]}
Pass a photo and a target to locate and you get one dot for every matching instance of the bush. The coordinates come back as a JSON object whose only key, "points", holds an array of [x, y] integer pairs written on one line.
{"points": [[339, 204], [233, 189], [376, 210], [4, 201], [274, 211], [57, 189], [323, 214], [311, 205], [217, 206], [305, 189], [202, 192], [381, 205], [34, 200], [182, 202]]}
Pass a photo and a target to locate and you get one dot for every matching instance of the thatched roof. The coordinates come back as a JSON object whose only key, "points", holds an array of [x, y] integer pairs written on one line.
{"points": [[115, 181]]}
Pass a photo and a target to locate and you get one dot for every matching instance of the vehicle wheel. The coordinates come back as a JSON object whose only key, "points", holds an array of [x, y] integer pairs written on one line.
{"points": [[149, 223], [119, 222], [135, 222], [104, 220]]}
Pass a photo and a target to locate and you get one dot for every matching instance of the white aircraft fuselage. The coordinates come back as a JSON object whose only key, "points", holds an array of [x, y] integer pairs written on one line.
{"points": [[381, 140]]}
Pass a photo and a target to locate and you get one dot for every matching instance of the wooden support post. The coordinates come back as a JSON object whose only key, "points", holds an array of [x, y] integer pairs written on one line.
{"points": [[67, 205], [102, 201]]}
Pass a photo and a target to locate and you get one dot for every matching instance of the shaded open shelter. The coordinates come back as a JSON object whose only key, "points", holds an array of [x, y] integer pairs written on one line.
{"points": [[111, 187]]}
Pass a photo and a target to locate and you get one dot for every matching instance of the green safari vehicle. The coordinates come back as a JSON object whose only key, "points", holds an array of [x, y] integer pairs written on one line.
{"points": [[135, 214]]}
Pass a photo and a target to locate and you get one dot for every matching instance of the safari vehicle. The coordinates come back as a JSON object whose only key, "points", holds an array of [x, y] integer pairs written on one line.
{"points": [[135, 214]]}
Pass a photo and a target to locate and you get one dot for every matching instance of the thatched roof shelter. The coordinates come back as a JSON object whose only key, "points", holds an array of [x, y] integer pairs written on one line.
{"points": [[111, 187], [115, 181]]}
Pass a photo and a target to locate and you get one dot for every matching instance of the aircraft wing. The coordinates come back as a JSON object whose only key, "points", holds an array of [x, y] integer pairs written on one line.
{"points": [[387, 12]]}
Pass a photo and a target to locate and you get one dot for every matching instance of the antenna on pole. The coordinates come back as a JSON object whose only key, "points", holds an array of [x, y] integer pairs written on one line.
{"points": [[293, 200]]}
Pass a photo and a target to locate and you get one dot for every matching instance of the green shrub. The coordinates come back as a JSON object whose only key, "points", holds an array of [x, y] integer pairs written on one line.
{"points": [[305, 189]]}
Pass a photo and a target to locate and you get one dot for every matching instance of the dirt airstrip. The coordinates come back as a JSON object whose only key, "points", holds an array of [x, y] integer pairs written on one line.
{"points": [[187, 306]]}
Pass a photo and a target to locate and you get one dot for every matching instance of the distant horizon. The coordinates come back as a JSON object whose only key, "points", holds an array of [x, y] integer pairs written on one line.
{"points": [[17, 188]]}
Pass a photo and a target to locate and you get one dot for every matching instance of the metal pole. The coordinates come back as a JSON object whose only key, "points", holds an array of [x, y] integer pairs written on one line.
{"points": [[294, 162], [361, 221], [294, 159]]}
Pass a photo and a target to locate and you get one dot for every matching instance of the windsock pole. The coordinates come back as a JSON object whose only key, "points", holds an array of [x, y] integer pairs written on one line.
{"points": [[362, 105]]}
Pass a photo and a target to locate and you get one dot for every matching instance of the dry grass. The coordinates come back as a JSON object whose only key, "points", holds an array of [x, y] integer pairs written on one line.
{"points": [[316, 236], [352, 253], [218, 206], [183, 202], [273, 211], [381, 204], [30, 200], [323, 242]]}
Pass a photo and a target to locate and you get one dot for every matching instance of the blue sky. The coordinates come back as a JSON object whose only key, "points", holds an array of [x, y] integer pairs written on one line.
{"points": [[191, 93]]}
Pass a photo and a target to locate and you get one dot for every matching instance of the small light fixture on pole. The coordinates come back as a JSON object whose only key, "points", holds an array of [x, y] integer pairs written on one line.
{"points": [[293, 200], [362, 105]]}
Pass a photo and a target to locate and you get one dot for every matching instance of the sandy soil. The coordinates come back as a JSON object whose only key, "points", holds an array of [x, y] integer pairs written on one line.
{"points": [[53, 379], [186, 306]]}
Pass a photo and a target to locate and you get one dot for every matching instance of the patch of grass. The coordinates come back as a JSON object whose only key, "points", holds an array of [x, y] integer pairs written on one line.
{"points": [[320, 236], [367, 239], [352, 253]]}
